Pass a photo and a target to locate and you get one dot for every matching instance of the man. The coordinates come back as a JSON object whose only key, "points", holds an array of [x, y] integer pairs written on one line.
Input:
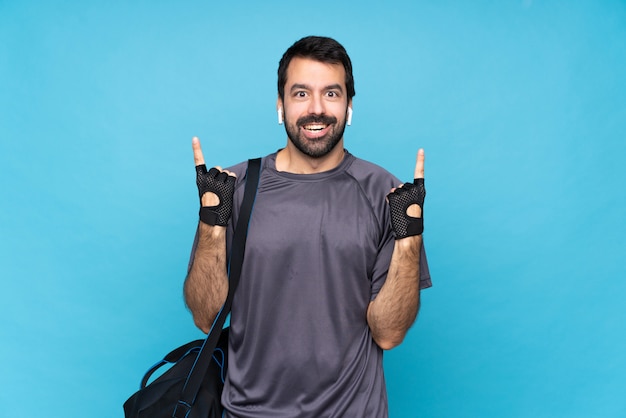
{"points": [[331, 275]]}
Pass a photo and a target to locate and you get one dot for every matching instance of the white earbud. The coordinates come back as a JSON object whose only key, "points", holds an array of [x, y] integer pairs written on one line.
{"points": [[349, 117], [280, 115]]}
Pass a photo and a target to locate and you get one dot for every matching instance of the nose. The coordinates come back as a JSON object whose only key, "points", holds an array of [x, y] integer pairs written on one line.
{"points": [[316, 105]]}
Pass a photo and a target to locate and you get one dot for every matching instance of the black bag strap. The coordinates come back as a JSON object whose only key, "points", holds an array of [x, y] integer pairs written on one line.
{"points": [[199, 369]]}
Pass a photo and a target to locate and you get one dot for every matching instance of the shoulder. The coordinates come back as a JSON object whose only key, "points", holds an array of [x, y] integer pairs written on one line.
{"points": [[374, 183], [240, 169], [370, 175]]}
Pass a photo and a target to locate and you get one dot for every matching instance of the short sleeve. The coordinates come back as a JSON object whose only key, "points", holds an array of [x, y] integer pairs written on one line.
{"points": [[381, 267]]}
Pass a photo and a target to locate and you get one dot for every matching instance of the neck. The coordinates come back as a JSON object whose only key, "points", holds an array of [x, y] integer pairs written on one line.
{"points": [[291, 160]]}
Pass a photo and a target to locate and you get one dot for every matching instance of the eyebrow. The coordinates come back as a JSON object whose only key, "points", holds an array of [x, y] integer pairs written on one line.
{"points": [[299, 86]]}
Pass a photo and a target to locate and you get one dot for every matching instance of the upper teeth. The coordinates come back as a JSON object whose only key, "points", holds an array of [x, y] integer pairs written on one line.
{"points": [[314, 127]]}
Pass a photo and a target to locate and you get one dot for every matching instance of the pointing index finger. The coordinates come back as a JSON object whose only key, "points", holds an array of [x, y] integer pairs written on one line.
{"points": [[198, 158], [419, 165]]}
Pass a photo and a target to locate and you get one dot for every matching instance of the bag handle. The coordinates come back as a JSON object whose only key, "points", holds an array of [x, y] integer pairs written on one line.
{"points": [[172, 357], [199, 369]]}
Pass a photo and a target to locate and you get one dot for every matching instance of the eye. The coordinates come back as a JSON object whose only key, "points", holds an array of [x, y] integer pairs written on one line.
{"points": [[300, 94]]}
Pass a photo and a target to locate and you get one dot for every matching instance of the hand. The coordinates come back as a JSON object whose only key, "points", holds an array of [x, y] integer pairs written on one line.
{"points": [[215, 188], [406, 203]]}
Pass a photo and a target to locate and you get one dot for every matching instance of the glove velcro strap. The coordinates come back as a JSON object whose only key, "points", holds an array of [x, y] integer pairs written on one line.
{"points": [[208, 215], [415, 226]]}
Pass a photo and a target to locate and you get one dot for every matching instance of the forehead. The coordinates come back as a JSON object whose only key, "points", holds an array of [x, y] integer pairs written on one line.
{"points": [[314, 73]]}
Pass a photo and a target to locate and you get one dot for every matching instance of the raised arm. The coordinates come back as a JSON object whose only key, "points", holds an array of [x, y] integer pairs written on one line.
{"points": [[206, 284], [395, 308]]}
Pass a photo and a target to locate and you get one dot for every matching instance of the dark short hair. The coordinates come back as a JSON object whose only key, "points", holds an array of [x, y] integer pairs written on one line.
{"points": [[318, 48]]}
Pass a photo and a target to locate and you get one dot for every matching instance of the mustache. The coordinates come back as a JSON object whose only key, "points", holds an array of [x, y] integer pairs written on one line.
{"points": [[323, 119]]}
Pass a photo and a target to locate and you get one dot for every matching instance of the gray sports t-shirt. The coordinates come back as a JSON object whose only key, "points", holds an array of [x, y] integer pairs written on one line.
{"points": [[317, 253]]}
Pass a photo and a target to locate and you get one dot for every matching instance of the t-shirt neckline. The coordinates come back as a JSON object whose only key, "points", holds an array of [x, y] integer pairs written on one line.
{"points": [[347, 160]]}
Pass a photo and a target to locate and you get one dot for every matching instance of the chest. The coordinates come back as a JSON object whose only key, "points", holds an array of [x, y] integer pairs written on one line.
{"points": [[318, 218]]}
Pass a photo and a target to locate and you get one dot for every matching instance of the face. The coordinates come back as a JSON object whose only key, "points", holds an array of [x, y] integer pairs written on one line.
{"points": [[315, 105]]}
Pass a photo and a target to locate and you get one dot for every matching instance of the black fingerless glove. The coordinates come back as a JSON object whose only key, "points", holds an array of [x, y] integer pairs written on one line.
{"points": [[223, 186], [399, 201]]}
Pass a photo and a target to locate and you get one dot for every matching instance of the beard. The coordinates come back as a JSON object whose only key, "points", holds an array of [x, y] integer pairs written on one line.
{"points": [[318, 147]]}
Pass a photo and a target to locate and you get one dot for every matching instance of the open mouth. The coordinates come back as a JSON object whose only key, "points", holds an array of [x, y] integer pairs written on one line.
{"points": [[316, 126]]}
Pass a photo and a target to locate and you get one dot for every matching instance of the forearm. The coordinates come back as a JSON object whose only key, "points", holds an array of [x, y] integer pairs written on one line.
{"points": [[206, 285], [395, 308]]}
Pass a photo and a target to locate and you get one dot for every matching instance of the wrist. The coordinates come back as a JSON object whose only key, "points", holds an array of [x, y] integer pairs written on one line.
{"points": [[410, 243], [212, 231]]}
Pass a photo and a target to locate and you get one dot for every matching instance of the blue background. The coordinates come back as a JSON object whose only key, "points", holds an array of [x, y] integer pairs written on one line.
{"points": [[520, 105]]}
